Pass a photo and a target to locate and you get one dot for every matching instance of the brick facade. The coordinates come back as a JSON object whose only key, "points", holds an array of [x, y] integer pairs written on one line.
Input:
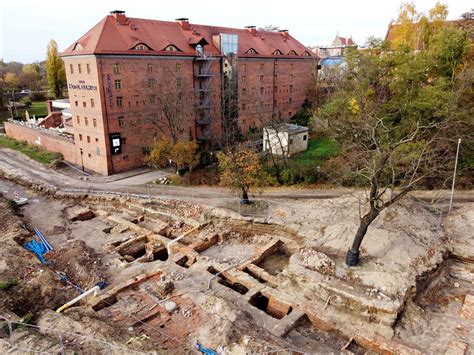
{"points": [[135, 94]]}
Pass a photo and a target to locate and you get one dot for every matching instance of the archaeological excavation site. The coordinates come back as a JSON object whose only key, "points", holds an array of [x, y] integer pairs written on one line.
{"points": [[101, 273]]}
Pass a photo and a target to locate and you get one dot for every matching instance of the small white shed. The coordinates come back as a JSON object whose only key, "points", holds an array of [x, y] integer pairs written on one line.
{"points": [[285, 139]]}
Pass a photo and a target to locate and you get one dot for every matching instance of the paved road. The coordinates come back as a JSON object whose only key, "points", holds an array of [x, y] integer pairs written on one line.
{"points": [[12, 161]]}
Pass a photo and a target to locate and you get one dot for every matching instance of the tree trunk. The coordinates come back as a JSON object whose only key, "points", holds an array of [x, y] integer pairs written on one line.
{"points": [[245, 196], [352, 257]]}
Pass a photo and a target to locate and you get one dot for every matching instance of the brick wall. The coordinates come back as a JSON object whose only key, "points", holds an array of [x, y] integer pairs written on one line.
{"points": [[43, 139]]}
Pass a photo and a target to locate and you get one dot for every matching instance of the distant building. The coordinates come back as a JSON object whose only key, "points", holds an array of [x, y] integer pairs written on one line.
{"points": [[338, 47], [285, 139]]}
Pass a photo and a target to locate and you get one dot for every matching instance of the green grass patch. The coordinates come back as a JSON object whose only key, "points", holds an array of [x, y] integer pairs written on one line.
{"points": [[5, 285], [319, 149], [39, 154], [38, 108]]}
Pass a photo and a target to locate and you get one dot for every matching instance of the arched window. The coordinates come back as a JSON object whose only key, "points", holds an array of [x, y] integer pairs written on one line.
{"points": [[306, 54], [292, 53], [251, 51], [77, 47], [141, 47], [277, 52], [172, 48]]}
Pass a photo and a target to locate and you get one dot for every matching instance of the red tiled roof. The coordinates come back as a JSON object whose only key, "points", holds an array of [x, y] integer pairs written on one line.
{"points": [[112, 37]]}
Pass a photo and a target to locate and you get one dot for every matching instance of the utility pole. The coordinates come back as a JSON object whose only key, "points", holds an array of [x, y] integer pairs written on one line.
{"points": [[454, 176]]}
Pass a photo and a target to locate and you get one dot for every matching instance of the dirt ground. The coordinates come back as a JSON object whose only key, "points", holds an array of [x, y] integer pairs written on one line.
{"points": [[178, 273]]}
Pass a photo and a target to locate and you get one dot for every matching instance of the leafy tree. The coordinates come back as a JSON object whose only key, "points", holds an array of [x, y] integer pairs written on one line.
{"points": [[12, 81], [31, 77], [185, 155], [55, 72], [398, 115], [159, 153], [241, 169]]}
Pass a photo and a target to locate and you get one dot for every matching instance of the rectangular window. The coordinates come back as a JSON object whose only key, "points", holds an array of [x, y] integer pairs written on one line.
{"points": [[275, 103], [88, 139], [149, 68], [118, 84], [84, 104], [305, 137], [291, 88], [124, 141], [121, 121], [76, 103], [178, 67], [261, 90], [92, 103], [152, 99], [261, 78], [116, 68], [244, 107], [244, 67], [80, 137], [94, 122], [290, 100], [262, 66], [179, 82], [291, 77], [88, 68], [97, 141], [244, 80], [151, 82], [86, 121], [79, 69], [71, 68], [119, 101], [276, 77], [78, 120]]}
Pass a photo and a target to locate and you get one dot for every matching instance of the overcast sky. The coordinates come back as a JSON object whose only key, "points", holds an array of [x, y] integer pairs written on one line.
{"points": [[27, 25]]}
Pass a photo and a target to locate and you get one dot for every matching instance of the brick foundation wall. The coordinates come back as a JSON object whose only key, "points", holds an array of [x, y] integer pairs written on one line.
{"points": [[47, 141]]}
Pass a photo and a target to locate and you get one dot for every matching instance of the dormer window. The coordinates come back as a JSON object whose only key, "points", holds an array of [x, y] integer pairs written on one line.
{"points": [[172, 48], [77, 47], [306, 54], [277, 52], [251, 51], [141, 47], [292, 53]]}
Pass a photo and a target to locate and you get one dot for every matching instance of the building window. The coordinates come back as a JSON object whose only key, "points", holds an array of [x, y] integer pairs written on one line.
{"points": [[244, 67], [125, 157], [119, 101], [76, 103], [118, 84], [179, 82], [275, 103], [80, 137], [86, 121], [84, 104], [88, 68], [116, 68], [92, 103], [88, 139], [244, 107], [244, 80], [291, 77], [261, 90], [276, 77], [262, 66], [244, 91], [79, 69], [305, 137], [78, 120], [97, 141], [121, 121], [152, 99], [149, 68], [151, 82], [172, 48], [124, 141], [89, 155], [94, 122], [291, 89], [178, 67], [71, 68], [289, 114], [290, 100], [261, 78]]}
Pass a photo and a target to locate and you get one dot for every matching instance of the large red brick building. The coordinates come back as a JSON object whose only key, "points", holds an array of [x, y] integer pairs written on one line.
{"points": [[131, 80]]}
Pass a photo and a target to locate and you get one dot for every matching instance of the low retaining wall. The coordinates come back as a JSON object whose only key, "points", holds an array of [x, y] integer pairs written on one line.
{"points": [[43, 139]]}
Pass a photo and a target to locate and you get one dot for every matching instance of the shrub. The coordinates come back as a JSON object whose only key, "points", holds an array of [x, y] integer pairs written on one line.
{"points": [[26, 100], [37, 96]]}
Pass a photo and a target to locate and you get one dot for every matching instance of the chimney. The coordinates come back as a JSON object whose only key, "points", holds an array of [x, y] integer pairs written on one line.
{"points": [[285, 34], [252, 30], [119, 16], [184, 23]]}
